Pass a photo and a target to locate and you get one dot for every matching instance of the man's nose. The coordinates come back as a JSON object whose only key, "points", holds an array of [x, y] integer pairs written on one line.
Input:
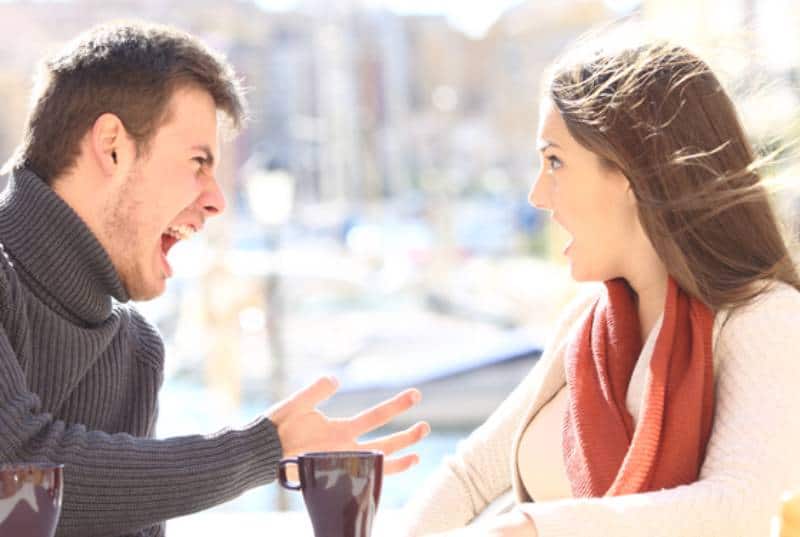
{"points": [[212, 200]]}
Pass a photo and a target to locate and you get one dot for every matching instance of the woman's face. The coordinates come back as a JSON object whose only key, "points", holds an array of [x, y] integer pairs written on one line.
{"points": [[593, 203]]}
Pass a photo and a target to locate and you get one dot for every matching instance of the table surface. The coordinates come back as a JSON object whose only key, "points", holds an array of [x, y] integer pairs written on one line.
{"points": [[294, 523]]}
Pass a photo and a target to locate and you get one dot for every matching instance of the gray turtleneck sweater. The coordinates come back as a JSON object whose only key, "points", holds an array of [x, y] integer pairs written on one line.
{"points": [[79, 375]]}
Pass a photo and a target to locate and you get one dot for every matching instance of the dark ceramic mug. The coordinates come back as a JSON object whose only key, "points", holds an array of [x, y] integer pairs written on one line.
{"points": [[341, 490], [30, 499]]}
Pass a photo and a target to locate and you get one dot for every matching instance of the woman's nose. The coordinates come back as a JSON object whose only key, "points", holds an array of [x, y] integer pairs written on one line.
{"points": [[539, 195]]}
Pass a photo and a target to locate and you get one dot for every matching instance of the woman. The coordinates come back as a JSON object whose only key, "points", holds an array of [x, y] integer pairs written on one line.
{"points": [[667, 402]]}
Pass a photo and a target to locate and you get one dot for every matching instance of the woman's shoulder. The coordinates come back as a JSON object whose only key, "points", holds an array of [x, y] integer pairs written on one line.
{"points": [[769, 319], [776, 298]]}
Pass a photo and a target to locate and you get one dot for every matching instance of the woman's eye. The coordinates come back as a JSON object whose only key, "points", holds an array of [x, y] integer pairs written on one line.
{"points": [[554, 162], [200, 162]]}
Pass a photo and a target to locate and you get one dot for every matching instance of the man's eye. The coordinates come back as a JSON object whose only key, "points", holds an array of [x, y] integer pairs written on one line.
{"points": [[554, 162], [200, 160]]}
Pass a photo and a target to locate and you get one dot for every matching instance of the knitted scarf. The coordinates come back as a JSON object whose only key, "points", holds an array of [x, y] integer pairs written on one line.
{"points": [[604, 451]]}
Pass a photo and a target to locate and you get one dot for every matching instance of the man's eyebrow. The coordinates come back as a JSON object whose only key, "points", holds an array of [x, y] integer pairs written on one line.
{"points": [[207, 150], [546, 144]]}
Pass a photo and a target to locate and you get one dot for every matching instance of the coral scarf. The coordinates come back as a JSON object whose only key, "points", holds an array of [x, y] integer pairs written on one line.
{"points": [[604, 452]]}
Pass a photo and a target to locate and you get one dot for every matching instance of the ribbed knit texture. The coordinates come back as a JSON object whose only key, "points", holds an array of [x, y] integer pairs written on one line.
{"points": [[605, 451], [79, 376], [751, 457]]}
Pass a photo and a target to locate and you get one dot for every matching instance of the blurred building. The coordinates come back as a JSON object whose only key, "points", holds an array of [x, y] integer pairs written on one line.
{"points": [[522, 44], [385, 85], [360, 104]]}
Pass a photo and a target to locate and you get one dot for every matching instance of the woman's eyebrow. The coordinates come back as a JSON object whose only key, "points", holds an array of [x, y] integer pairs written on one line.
{"points": [[546, 144]]}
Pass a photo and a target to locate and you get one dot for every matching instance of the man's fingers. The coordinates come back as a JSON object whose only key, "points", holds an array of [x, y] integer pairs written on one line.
{"points": [[309, 397], [400, 464], [384, 412], [400, 440], [315, 393]]}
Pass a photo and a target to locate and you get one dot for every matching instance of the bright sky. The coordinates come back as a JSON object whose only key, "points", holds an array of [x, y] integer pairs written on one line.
{"points": [[474, 18]]}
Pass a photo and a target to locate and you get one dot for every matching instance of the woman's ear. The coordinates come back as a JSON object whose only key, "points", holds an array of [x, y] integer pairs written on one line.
{"points": [[622, 184], [630, 193], [627, 186]]}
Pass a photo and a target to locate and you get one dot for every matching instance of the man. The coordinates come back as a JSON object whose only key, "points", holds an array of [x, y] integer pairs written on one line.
{"points": [[117, 165]]}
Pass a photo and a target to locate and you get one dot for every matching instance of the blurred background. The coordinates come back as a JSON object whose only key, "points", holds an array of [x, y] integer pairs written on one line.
{"points": [[378, 226]]}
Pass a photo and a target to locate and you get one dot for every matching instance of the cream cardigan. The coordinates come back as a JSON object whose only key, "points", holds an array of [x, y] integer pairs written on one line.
{"points": [[751, 457]]}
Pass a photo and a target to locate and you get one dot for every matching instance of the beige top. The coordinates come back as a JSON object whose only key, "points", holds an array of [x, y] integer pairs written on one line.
{"points": [[540, 458], [751, 458]]}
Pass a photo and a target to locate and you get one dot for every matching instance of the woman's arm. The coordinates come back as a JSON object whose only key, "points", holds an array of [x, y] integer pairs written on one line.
{"points": [[512, 524], [481, 469], [476, 474]]}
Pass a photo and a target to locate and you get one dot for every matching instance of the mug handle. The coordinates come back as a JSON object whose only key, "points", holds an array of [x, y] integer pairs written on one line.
{"points": [[285, 483]]}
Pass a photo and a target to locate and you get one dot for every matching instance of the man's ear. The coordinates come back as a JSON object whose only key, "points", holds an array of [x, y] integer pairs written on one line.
{"points": [[110, 144]]}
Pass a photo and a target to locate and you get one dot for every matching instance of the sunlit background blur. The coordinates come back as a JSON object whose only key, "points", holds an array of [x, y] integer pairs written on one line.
{"points": [[378, 226]]}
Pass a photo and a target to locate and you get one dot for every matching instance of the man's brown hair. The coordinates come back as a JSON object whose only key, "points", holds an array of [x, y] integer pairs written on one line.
{"points": [[130, 70], [657, 113]]}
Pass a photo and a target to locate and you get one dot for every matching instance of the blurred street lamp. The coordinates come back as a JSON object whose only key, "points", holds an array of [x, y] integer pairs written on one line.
{"points": [[270, 195]]}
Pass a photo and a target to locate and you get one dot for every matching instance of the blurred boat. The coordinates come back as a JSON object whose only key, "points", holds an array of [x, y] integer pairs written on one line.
{"points": [[459, 389]]}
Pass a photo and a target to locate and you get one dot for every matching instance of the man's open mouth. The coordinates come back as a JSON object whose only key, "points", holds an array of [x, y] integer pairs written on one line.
{"points": [[173, 234]]}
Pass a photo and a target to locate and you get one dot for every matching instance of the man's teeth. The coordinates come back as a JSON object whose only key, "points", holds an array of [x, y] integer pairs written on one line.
{"points": [[180, 232]]}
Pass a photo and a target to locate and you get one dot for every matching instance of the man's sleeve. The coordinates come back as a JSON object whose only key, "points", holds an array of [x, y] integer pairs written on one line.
{"points": [[118, 483]]}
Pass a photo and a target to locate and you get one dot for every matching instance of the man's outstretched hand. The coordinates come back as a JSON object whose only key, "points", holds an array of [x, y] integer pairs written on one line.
{"points": [[302, 427]]}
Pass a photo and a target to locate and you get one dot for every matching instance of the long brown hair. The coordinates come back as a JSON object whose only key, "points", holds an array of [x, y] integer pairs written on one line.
{"points": [[659, 114], [131, 70]]}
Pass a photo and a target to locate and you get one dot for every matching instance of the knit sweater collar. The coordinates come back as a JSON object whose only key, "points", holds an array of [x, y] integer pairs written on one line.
{"points": [[55, 250]]}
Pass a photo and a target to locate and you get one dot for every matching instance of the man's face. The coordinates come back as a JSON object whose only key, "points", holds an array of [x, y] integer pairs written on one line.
{"points": [[166, 197]]}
